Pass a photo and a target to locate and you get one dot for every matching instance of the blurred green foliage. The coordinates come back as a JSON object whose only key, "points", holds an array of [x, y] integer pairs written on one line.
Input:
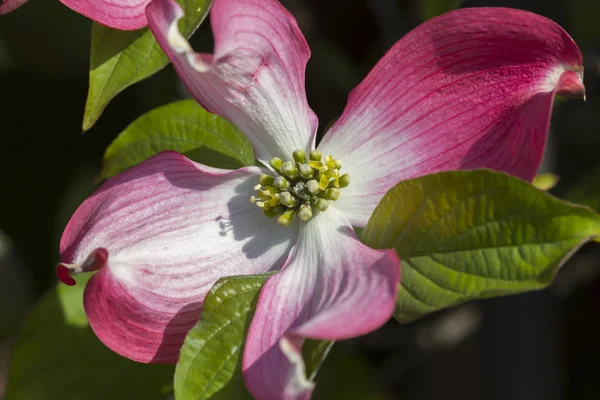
{"points": [[58, 357]]}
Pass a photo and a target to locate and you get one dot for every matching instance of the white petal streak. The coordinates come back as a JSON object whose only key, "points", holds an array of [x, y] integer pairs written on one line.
{"points": [[172, 228], [331, 287]]}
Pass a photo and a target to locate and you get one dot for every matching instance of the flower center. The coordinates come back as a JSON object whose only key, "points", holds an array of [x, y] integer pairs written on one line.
{"points": [[299, 187]]}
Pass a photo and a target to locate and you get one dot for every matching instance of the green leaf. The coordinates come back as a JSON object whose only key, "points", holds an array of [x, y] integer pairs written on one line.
{"points": [[474, 234], [57, 356], [433, 8], [121, 58], [314, 353], [210, 363], [183, 126]]}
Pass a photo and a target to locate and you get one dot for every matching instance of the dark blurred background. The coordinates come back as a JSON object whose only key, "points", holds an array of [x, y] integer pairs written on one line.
{"points": [[541, 345]]}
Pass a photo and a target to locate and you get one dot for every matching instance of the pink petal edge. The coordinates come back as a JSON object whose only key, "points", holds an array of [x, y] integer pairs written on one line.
{"points": [[331, 287], [469, 89], [11, 5], [161, 234], [126, 15], [255, 78]]}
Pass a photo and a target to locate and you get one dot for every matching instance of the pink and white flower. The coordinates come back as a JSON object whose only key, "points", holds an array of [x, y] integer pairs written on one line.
{"points": [[119, 14], [470, 89]]}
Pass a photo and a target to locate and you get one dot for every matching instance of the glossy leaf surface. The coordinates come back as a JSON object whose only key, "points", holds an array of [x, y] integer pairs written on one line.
{"points": [[121, 58], [474, 234], [210, 362], [182, 126]]}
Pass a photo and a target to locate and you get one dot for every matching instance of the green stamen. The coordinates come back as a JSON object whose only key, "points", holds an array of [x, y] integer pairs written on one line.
{"points": [[281, 183], [306, 171], [274, 211], [315, 155], [313, 186], [344, 180], [288, 168], [332, 194], [266, 180], [299, 156], [321, 204], [276, 163], [287, 217], [300, 187], [287, 199], [305, 213]]}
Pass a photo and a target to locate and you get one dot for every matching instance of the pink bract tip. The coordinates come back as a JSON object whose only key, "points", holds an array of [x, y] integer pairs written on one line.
{"points": [[63, 274], [96, 260], [571, 84]]}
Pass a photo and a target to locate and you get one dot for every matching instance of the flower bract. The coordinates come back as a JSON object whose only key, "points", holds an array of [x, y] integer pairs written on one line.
{"points": [[7, 6], [119, 14]]}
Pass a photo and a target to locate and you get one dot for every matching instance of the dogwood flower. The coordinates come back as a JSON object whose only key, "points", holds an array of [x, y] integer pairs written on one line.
{"points": [[472, 88], [119, 14]]}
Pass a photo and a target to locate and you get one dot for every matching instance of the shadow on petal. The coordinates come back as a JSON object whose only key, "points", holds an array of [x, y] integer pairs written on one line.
{"points": [[516, 144], [172, 228], [273, 364], [175, 332], [244, 223]]}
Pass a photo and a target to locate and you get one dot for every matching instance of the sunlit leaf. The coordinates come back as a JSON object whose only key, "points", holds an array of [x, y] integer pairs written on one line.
{"points": [[474, 234], [185, 127], [121, 58], [210, 363]]}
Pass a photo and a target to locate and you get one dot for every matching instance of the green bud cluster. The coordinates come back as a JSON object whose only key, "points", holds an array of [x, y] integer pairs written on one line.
{"points": [[300, 187]]}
